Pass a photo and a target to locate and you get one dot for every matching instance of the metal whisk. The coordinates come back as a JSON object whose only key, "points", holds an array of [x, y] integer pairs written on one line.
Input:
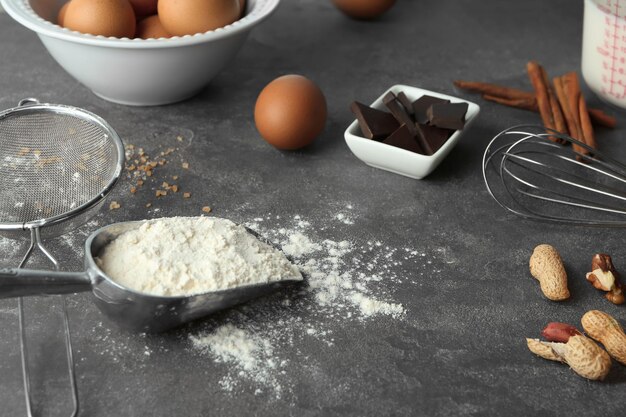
{"points": [[57, 164], [535, 178]]}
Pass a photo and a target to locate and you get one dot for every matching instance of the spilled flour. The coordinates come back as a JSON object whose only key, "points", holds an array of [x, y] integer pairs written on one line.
{"points": [[249, 352], [344, 281], [231, 343], [370, 306]]}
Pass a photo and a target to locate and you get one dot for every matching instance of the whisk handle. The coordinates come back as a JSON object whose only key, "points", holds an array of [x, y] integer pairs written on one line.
{"points": [[25, 282]]}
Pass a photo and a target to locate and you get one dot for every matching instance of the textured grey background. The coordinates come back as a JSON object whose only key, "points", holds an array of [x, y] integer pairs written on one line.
{"points": [[460, 349]]}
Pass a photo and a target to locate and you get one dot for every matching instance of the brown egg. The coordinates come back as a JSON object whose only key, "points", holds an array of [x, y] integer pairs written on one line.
{"points": [[151, 27], [364, 9], [290, 112], [188, 17], [144, 7], [61, 15], [242, 8], [101, 17]]}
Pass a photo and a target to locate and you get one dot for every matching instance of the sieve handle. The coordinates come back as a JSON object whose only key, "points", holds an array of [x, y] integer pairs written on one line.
{"points": [[25, 282]]}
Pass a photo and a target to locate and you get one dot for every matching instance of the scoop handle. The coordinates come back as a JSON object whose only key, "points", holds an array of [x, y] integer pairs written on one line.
{"points": [[24, 282]]}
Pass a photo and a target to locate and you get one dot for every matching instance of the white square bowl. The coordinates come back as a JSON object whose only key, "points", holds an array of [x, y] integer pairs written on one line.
{"points": [[397, 160]]}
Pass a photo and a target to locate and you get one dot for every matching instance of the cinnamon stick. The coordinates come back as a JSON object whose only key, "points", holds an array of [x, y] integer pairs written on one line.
{"points": [[524, 100], [538, 80], [571, 87], [597, 116], [585, 123], [600, 118], [572, 126], [493, 90], [557, 113], [520, 103]]}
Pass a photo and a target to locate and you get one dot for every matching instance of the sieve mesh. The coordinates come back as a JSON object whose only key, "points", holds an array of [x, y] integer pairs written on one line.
{"points": [[57, 163], [52, 162]]}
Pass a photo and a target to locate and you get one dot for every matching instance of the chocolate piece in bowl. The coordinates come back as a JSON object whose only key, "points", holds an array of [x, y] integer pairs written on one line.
{"points": [[374, 124], [423, 140], [402, 115], [403, 138], [421, 106], [435, 136], [448, 115], [399, 112], [406, 103]]}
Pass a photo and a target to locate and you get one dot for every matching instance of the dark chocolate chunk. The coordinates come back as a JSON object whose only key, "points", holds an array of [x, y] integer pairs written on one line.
{"points": [[375, 124], [421, 105], [402, 138], [448, 115], [422, 140], [404, 100], [399, 112], [435, 136]]}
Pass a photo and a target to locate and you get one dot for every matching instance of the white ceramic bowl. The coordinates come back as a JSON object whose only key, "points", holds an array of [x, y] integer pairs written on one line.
{"points": [[401, 161], [140, 72]]}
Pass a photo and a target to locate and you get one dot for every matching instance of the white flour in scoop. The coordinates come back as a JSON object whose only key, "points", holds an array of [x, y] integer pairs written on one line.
{"points": [[192, 255]]}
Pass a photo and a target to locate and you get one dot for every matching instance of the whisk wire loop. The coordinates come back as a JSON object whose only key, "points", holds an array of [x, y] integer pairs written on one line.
{"points": [[535, 178]]}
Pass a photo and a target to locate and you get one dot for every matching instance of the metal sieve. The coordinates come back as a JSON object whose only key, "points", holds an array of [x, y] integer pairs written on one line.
{"points": [[57, 164]]}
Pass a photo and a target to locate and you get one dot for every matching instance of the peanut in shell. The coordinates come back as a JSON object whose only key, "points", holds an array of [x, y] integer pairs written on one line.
{"points": [[582, 354], [606, 330], [586, 358], [547, 267]]}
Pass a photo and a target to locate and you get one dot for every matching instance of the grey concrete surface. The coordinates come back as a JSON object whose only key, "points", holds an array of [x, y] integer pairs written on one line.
{"points": [[460, 348]]}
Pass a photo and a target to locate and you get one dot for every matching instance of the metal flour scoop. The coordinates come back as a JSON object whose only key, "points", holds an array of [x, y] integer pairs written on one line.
{"points": [[128, 308]]}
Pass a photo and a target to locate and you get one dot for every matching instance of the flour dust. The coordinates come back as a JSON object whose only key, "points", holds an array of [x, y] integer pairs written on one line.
{"points": [[347, 281]]}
